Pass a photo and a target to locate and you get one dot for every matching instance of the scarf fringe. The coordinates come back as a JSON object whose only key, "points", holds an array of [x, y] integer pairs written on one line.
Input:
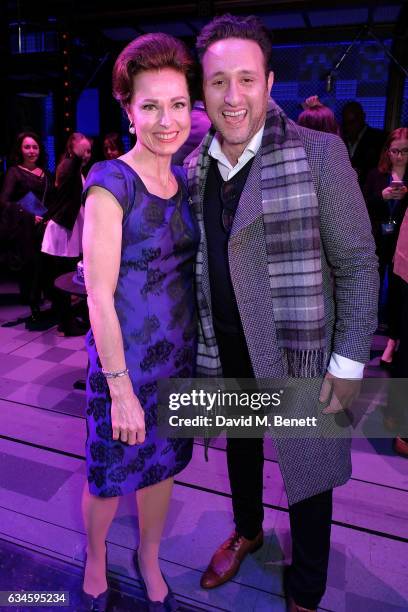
{"points": [[305, 363]]}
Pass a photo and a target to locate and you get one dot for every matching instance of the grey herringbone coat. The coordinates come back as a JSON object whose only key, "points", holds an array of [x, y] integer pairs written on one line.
{"points": [[309, 466]]}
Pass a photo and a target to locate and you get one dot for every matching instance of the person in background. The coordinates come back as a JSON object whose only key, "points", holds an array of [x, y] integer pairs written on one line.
{"points": [[24, 198], [62, 243], [113, 146], [317, 116], [140, 242], [397, 407], [200, 124], [363, 142], [386, 196]]}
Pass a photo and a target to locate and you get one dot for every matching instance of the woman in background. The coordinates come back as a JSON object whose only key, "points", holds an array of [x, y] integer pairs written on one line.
{"points": [[317, 116], [62, 243], [113, 146], [24, 198], [397, 410], [386, 196]]}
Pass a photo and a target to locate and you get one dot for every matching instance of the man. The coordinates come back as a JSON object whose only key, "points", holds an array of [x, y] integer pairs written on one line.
{"points": [[364, 143], [277, 205]]}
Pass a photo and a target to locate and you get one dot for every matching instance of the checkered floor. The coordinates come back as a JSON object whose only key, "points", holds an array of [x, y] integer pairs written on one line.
{"points": [[42, 473]]}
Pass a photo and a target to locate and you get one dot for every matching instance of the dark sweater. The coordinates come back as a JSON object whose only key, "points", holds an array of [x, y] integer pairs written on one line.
{"points": [[67, 200], [18, 229], [225, 311]]}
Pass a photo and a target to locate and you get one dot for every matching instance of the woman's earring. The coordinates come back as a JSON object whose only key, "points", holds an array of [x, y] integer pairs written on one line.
{"points": [[132, 128]]}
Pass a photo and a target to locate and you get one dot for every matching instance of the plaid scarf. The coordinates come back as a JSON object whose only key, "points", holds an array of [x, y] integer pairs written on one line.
{"points": [[291, 222]]}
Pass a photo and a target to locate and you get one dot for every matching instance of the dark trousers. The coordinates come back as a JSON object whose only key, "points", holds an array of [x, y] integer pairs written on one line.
{"points": [[61, 302], [31, 276], [310, 519]]}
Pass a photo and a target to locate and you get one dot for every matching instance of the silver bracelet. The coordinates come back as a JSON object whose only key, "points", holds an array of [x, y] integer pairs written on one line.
{"points": [[117, 374]]}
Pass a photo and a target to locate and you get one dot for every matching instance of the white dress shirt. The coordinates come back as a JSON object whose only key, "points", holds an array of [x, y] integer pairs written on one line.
{"points": [[339, 366]]}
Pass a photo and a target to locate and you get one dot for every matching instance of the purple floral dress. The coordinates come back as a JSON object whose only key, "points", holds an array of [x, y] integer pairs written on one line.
{"points": [[154, 301]]}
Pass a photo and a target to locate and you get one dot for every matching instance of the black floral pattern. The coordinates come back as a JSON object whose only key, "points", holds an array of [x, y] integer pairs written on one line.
{"points": [[183, 373], [144, 334], [115, 455], [118, 474], [146, 391], [153, 215], [98, 383], [141, 264], [153, 474], [173, 445], [97, 408], [97, 475], [147, 452], [104, 431], [111, 492], [151, 418], [184, 355], [176, 290], [154, 284], [157, 354], [154, 301], [137, 465], [98, 452]]}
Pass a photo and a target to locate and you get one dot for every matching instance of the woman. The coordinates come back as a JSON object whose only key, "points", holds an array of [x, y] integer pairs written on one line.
{"points": [[139, 246], [113, 146], [24, 198], [62, 243], [385, 192], [397, 410], [317, 116]]}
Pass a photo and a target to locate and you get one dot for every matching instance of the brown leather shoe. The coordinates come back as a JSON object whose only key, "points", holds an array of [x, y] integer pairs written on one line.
{"points": [[293, 607], [227, 558]]}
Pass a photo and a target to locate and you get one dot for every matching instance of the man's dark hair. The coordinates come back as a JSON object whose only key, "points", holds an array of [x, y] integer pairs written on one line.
{"points": [[231, 26]]}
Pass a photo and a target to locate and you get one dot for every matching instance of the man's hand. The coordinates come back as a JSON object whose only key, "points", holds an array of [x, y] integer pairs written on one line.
{"points": [[340, 391]]}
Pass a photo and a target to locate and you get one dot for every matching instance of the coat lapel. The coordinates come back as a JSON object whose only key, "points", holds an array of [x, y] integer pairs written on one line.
{"points": [[250, 202]]}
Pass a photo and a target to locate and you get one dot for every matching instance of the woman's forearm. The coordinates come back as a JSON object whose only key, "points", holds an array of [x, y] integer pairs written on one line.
{"points": [[108, 340]]}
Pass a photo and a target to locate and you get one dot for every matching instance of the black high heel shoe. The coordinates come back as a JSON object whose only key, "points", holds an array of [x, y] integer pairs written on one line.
{"points": [[169, 604], [99, 603]]}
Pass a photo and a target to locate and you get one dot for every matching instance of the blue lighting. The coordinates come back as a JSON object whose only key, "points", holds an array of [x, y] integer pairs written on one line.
{"points": [[49, 130], [87, 115], [301, 71]]}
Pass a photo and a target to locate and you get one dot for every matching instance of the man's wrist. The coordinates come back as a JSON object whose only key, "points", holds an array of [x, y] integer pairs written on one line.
{"points": [[343, 367]]}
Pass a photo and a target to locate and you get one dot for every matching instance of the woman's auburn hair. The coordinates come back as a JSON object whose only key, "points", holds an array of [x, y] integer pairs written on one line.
{"points": [[151, 52], [385, 163]]}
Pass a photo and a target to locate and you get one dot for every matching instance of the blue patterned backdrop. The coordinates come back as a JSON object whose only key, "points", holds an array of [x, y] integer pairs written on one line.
{"points": [[404, 113], [300, 72]]}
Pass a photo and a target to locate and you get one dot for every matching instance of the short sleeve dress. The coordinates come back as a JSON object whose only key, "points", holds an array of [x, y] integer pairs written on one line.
{"points": [[155, 304]]}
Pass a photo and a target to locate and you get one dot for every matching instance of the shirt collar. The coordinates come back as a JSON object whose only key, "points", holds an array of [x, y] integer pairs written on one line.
{"points": [[252, 148]]}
